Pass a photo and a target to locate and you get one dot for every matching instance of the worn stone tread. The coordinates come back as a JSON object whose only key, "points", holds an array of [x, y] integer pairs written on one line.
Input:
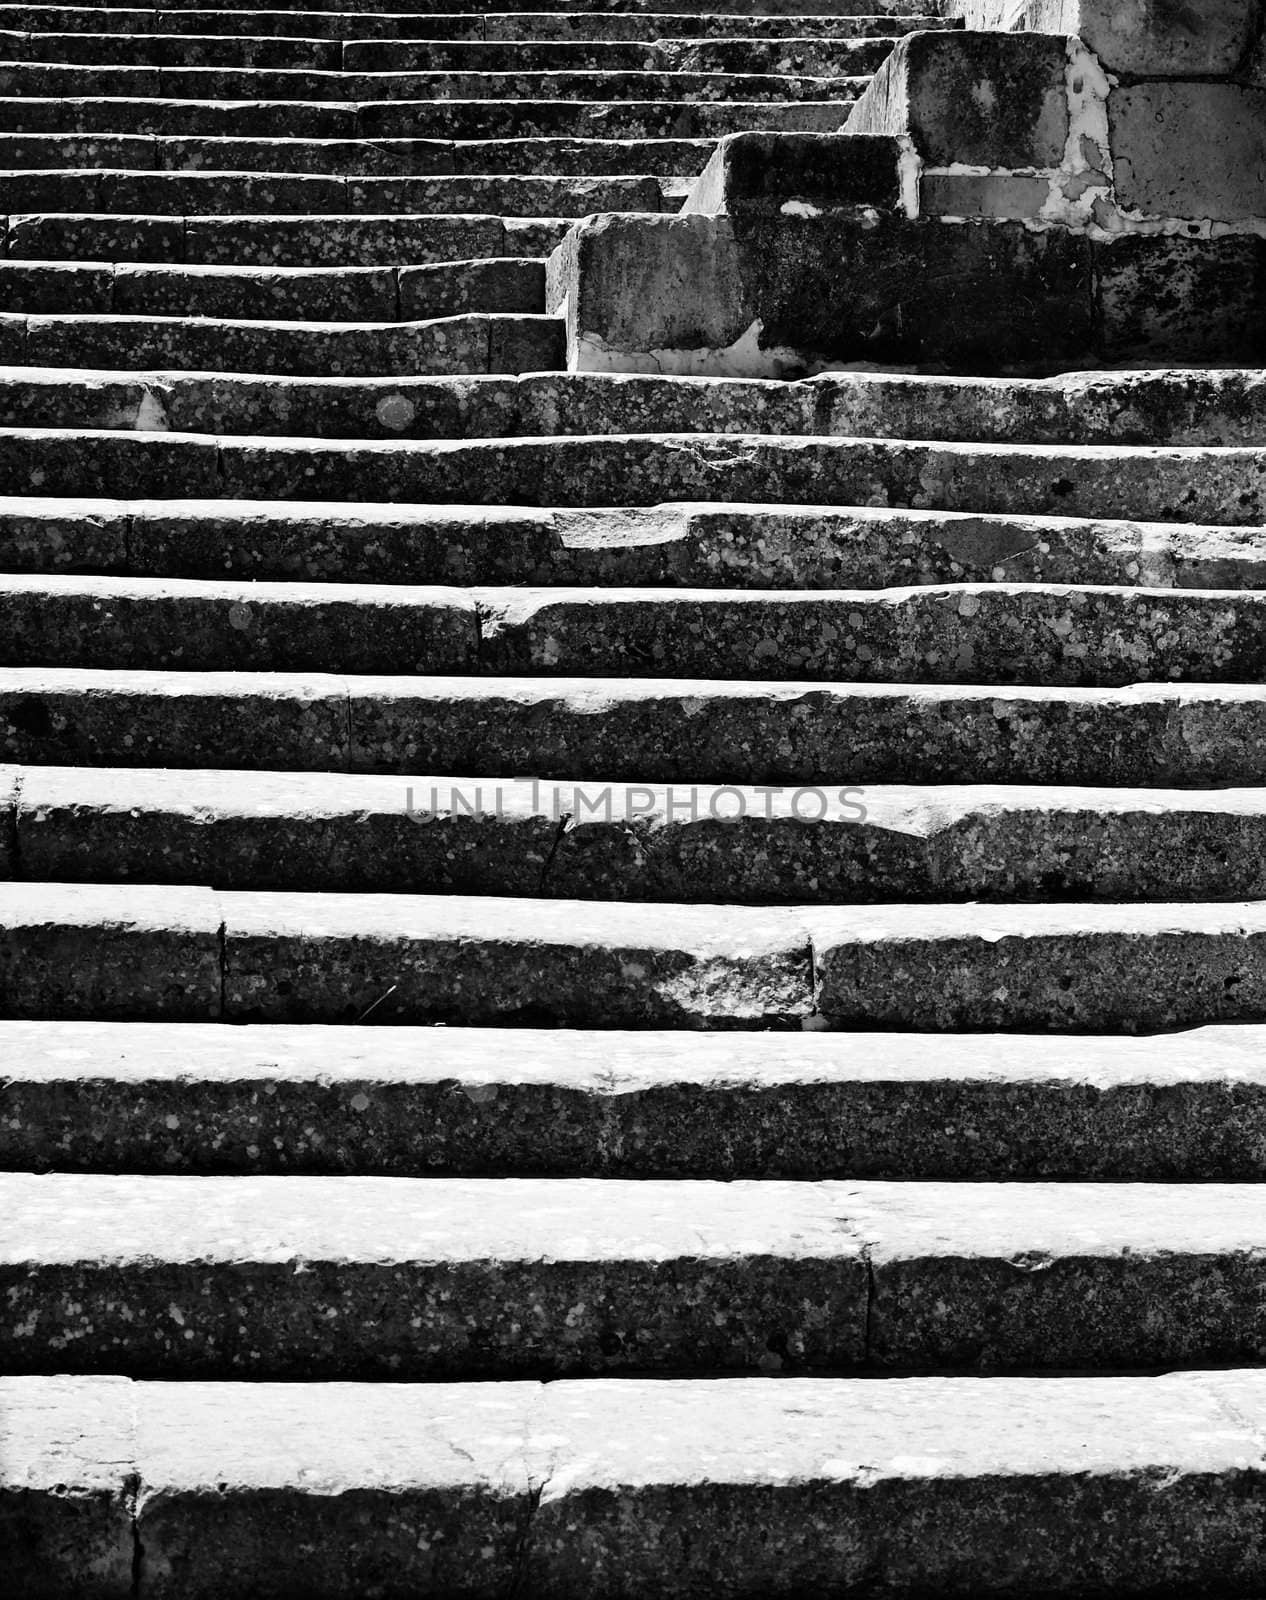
{"points": [[1046, 1483], [311, 957], [1147, 483], [316, 195], [359, 240], [699, 544], [425, 1278], [457, 119], [356, 158], [827, 843], [998, 633], [1162, 409], [637, 729], [464, 342], [192, 1097]]}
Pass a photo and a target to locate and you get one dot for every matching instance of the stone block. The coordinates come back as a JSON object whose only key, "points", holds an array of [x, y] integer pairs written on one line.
{"points": [[975, 99], [778, 296], [1150, 38], [1189, 150], [1166, 298], [771, 172]]}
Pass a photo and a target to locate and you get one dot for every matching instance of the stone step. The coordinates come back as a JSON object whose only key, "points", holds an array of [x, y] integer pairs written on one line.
{"points": [[379, 1277], [1221, 485], [311, 195], [469, 1102], [655, 8], [145, 48], [260, 83], [810, 56], [1033, 1485], [383, 158], [480, 342], [999, 633], [283, 241], [142, 952], [637, 730], [700, 545], [562, 25], [470, 120], [305, 294], [832, 843], [1165, 408]]}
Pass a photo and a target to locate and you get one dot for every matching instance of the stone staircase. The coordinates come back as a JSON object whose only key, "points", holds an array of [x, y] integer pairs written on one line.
{"points": [[809, 837]]}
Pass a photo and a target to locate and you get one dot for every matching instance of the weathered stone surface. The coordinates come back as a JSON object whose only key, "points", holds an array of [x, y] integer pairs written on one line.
{"points": [[1053, 1478], [763, 172], [1146, 37], [337, 1490], [1192, 150], [82, 950], [161, 719], [1149, 285], [149, 624], [825, 843], [66, 1459], [979, 99], [780, 295], [184, 1277], [702, 544], [471, 1102], [340, 958], [1117, 967]]}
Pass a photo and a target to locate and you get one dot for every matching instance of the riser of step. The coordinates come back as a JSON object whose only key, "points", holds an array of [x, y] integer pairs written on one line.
{"points": [[350, 294], [1170, 485], [471, 120], [1161, 408], [811, 57], [636, 730], [215, 193], [357, 1277], [1038, 1485], [247, 83], [187, 1097], [237, 242], [704, 545], [653, 8], [387, 158], [474, 343], [831, 844], [490, 27], [272, 241], [953, 634], [157, 952]]}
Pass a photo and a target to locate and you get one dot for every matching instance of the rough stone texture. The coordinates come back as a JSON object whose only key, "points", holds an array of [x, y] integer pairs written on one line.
{"points": [[80, 950], [828, 843], [1189, 149], [347, 958], [800, 1481], [67, 1450], [776, 295], [698, 544], [1144, 37], [1115, 967], [978, 99], [470, 1102], [156, 719], [182, 1277], [760, 172]]}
